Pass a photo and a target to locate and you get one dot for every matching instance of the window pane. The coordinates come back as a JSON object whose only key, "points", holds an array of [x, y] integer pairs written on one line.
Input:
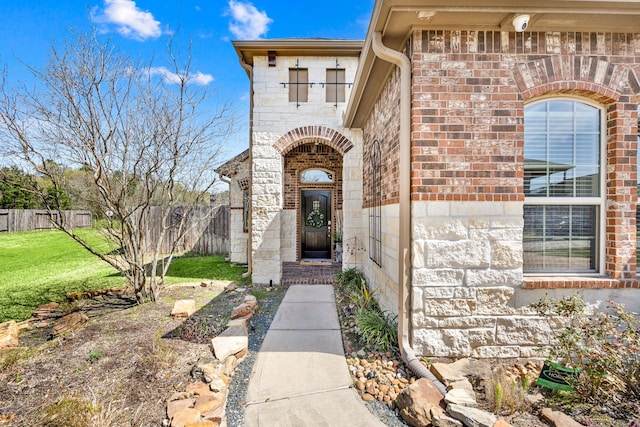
{"points": [[587, 152], [316, 175], [587, 181], [562, 149], [560, 238]]}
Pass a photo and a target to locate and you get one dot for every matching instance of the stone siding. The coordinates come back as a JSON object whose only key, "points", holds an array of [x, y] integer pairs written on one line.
{"points": [[467, 267], [278, 127]]}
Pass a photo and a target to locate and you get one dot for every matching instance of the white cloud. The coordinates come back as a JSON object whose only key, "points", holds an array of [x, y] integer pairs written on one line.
{"points": [[198, 78], [247, 22], [129, 20]]}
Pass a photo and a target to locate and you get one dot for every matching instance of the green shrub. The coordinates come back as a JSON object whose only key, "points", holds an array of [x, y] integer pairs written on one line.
{"points": [[603, 347], [377, 328], [350, 280]]}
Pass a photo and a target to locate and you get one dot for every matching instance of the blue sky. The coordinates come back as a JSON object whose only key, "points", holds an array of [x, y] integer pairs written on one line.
{"points": [[29, 28]]}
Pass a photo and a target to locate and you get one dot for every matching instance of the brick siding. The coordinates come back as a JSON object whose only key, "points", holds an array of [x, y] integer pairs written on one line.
{"points": [[469, 93]]}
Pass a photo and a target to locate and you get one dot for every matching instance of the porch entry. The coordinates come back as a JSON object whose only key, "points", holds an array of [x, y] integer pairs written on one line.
{"points": [[316, 224]]}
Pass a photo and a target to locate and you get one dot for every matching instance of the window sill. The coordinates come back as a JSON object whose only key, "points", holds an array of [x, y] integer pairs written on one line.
{"points": [[578, 282]]}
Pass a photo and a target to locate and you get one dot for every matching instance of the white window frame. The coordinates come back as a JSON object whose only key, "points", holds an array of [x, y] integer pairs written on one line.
{"points": [[600, 201]]}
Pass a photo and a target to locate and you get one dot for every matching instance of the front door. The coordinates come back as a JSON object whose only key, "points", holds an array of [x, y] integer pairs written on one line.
{"points": [[316, 224]]}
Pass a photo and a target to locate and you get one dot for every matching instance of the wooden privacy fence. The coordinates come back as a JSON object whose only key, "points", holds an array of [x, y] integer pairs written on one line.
{"points": [[208, 230], [12, 220], [207, 227]]}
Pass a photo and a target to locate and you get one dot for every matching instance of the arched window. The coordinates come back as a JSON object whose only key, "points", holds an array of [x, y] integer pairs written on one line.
{"points": [[563, 187], [375, 211], [314, 176]]}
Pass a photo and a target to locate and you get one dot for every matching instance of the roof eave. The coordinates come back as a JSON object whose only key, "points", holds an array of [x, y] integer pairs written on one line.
{"points": [[397, 19]]}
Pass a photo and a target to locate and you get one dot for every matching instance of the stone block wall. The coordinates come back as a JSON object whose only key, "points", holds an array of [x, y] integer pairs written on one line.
{"points": [[279, 126], [467, 266], [352, 212]]}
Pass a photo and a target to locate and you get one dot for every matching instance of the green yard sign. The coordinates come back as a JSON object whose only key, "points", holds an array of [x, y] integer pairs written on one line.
{"points": [[556, 376]]}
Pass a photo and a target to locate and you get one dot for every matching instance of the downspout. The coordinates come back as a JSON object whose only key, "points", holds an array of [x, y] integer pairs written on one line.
{"points": [[249, 69], [404, 251]]}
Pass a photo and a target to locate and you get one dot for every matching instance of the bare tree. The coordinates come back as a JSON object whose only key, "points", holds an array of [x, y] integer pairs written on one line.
{"points": [[148, 141]]}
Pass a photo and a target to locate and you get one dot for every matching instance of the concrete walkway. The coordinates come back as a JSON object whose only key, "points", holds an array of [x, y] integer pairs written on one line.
{"points": [[300, 377]]}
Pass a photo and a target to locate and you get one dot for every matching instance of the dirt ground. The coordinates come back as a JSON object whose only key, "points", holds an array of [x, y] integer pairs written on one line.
{"points": [[128, 359], [123, 365]]}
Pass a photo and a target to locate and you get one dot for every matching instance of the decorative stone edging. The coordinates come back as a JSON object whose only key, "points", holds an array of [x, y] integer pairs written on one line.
{"points": [[203, 403]]}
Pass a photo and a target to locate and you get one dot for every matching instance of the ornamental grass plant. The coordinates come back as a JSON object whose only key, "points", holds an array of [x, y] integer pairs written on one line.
{"points": [[376, 327]]}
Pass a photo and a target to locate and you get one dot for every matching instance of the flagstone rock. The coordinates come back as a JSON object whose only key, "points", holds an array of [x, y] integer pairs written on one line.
{"points": [[217, 415], [202, 424], [251, 301], [461, 396], [183, 308], [463, 384], [244, 310], [218, 385], [502, 423], [206, 369], [69, 323], [241, 321], [449, 372], [207, 403], [199, 389], [229, 365], [8, 335], [471, 416], [232, 340], [441, 419], [416, 402], [184, 417], [558, 419], [178, 405]]}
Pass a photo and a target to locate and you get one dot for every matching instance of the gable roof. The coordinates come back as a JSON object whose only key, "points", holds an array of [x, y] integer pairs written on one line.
{"points": [[230, 167]]}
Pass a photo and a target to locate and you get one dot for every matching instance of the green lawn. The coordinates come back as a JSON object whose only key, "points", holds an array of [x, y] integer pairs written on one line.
{"points": [[42, 266]]}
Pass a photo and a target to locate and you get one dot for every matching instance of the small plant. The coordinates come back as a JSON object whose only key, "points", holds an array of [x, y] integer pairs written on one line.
{"points": [[95, 355], [497, 394], [603, 347], [70, 410], [350, 280], [362, 297], [508, 392], [377, 328], [10, 358], [259, 293], [160, 355]]}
